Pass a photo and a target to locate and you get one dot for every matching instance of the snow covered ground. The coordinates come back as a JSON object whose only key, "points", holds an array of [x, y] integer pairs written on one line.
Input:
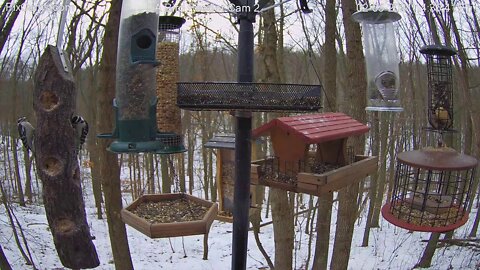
{"points": [[390, 247]]}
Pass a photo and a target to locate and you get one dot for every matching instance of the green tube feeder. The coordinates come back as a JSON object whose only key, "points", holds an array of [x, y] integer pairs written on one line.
{"points": [[135, 98]]}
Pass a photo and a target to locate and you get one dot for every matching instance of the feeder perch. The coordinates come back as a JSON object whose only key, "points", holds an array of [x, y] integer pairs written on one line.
{"points": [[170, 215], [440, 86], [135, 100], [225, 146], [297, 169], [381, 59], [432, 190]]}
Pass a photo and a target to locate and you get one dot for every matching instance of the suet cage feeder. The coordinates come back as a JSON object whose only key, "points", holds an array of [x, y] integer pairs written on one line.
{"points": [[440, 86], [432, 190], [381, 58], [135, 100]]}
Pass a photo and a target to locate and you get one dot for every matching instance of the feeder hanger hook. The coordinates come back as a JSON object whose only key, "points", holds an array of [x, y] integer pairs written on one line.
{"points": [[60, 34]]}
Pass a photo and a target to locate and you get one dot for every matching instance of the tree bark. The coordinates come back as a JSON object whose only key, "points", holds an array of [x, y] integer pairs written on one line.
{"points": [[282, 215], [324, 218], [429, 251], [4, 265], [57, 165], [354, 105], [8, 20], [320, 260], [108, 162]]}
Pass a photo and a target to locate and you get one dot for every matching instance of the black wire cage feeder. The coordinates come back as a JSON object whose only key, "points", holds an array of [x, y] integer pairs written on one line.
{"points": [[433, 186], [432, 190], [440, 86]]}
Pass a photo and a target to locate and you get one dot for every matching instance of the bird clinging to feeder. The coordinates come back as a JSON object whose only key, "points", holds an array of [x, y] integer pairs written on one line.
{"points": [[80, 125], [26, 132]]}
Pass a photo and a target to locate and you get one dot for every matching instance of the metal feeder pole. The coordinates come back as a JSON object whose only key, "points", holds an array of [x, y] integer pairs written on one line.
{"points": [[243, 130]]}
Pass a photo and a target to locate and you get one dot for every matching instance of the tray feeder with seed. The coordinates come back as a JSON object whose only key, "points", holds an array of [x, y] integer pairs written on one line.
{"points": [[432, 190], [295, 168], [135, 100], [170, 215]]}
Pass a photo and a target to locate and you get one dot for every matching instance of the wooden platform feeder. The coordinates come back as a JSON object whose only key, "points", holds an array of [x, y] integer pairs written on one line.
{"points": [[170, 215], [225, 146], [296, 168], [432, 190]]}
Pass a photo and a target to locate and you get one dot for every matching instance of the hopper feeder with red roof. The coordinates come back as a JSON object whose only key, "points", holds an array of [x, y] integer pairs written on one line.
{"points": [[295, 167]]}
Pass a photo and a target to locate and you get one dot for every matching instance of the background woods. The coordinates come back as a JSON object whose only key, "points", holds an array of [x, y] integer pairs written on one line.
{"points": [[308, 232]]}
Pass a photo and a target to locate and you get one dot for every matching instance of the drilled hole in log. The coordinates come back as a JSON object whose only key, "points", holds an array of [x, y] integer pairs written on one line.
{"points": [[64, 226], [52, 166], [48, 101]]}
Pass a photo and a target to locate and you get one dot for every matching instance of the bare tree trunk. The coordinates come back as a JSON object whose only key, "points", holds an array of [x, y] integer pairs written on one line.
{"points": [[166, 183], [473, 232], [384, 128], [324, 219], [355, 103], [8, 17], [282, 215], [18, 179], [325, 201], [109, 168], [92, 148], [330, 54], [4, 265], [372, 194], [57, 164], [28, 176], [426, 260]]}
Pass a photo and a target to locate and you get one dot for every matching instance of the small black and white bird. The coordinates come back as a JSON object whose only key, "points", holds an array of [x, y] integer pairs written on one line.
{"points": [[26, 133], [80, 126]]}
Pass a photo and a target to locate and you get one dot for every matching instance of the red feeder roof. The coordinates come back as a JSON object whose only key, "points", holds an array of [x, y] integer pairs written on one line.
{"points": [[315, 128]]}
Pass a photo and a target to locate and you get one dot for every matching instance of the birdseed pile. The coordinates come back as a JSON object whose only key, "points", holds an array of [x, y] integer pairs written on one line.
{"points": [[170, 211]]}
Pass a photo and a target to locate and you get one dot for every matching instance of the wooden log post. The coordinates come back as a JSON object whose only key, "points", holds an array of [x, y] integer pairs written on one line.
{"points": [[57, 164]]}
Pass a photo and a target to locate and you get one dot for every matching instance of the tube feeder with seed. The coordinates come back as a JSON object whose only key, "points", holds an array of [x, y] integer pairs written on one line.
{"points": [[440, 86], [135, 100]]}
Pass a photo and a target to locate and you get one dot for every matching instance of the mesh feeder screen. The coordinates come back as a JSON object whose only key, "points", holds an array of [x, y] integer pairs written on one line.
{"points": [[168, 114]]}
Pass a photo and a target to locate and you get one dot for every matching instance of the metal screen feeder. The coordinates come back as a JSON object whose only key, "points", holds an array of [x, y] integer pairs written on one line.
{"points": [[135, 100], [381, 57], [440, 86], [432, 190]]}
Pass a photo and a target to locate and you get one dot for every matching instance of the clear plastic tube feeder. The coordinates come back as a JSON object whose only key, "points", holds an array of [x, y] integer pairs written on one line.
{"points": [[381, 59]]}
